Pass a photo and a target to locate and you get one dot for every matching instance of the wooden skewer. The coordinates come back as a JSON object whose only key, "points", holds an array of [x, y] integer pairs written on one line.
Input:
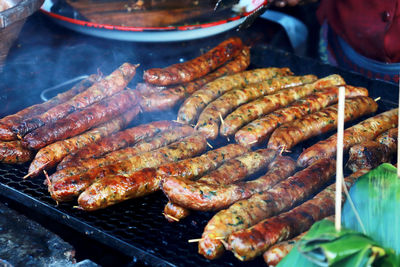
{"points": [[210, 145], [222, 120], [47, 178], [200, 239], [227, 138], [377, 99], [255, 141], [29, 174], [171, 217], [339, 160]]}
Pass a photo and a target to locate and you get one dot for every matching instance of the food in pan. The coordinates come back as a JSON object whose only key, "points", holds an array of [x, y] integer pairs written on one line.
{"points": [[193, 105], [172, 96], [10, 122], [212, 115], [251, 242], [365, 130], [289, 135], [195, 68], [101, 89], [47, 157], [264, 105], [82, 120], [248, 212], [107, 184], [260, 129], [116, 141], [370, 154]]}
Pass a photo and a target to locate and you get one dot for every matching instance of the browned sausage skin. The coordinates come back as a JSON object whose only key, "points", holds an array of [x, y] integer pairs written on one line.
{"points": [[195, 68]]}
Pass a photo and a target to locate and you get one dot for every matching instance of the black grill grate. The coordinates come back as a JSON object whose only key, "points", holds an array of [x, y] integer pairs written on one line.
{"points": [[137, 227]]}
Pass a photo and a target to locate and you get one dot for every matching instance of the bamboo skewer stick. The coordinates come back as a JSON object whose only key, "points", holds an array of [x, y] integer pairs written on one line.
{"points": [[339, 160]]}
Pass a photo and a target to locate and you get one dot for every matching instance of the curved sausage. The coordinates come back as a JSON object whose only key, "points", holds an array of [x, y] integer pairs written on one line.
{"points": [[193, 105], [210, 118], [260, 129], [67, 188], [365, 130], [49, 156], [170, 97], [248, 243], [108, 86], [255, 109], [258, 207], [11, 121], [82, 120], [116, 141], [12, 152], [289, 135], [197, 67]]}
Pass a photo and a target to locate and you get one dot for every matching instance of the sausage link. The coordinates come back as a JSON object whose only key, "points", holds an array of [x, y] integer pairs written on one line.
{"points": [[370, 154], [260, 129], [101, 89], [171, 97], [114, 189], [193, 105], [158, 141], [69, 187], [365, 130], [117, 141], [289, 135], [258, 207], [210, 118], [255, 109], [246, 244], [189, 169], [190, 195], [12, 152], [82, 120], [197, 67], [11, 121], [49, 156]]}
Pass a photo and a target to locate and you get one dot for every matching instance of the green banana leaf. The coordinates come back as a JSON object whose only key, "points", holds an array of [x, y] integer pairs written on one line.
{"points": [[376, 197]]}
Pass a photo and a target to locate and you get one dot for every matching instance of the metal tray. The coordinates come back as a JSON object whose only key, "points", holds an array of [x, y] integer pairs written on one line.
{"points": [[137, 227]]}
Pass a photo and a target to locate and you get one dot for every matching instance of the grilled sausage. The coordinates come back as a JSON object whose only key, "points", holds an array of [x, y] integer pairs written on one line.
{"points": [[114, 189], [258, 207], [248, 243], [108, 86], [365, 130], [12, 152], [80, 121], [69, 187], [117, 141], [190, 169], [289, 135], [159, 140], [278, 251], [267, 104], [50, 155], [147, 89], [197, 67], [190, 195], [193, 105], [260, 129], [9, 122], [211, 116], [370, 154], [170, 97]]}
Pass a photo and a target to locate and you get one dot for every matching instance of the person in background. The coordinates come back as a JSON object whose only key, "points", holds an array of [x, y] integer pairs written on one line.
{"points": [[359, 35]]}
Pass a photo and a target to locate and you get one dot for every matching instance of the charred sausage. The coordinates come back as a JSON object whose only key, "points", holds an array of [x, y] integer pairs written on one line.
{"points": [[193, 105], [197, 67], [255, 109], [365, 130], [50, 155], [108, 86], [82, 120], [211, 116], [258, 207], [248, 243], [289, 135], [12, 152], [260, 129], [170, 97]]}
